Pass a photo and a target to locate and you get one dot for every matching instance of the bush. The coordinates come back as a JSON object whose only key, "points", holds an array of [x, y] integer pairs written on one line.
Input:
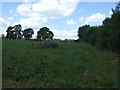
{"points": [[47, 44]]}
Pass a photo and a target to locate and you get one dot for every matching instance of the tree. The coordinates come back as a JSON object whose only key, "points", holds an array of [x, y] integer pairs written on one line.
{"points": [[44, 33], [14, 32], [106, 36], [106, 21], [2, 36], [9, 32], [27, 33], [117, 8], [82, 30], [18, 29], [50, 35]]}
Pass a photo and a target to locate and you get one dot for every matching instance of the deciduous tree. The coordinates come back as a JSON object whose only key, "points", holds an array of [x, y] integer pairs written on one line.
{"points": [[44, 34], [27, 33]]}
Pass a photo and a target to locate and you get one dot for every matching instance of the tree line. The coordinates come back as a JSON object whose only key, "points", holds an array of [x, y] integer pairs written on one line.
{"points": [[16, 32], [106, 36]]}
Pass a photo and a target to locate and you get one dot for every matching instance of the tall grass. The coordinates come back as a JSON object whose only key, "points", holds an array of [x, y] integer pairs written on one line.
{"points": [[71, 65]]}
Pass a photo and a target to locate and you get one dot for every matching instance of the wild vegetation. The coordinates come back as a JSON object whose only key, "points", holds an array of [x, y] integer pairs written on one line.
{"points": [[27, 33], [44, 34], [16, 33], [47, 44], [52, 63], [106, 36], [72, 65]]}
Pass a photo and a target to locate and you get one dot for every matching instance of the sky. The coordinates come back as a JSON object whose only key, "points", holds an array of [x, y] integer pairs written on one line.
{"points": [[62, 17]]}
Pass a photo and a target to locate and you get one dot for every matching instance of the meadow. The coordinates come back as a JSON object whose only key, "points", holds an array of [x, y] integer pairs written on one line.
{"points": [[72, 65]]}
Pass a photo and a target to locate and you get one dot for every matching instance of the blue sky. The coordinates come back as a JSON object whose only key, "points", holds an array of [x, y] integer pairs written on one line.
{"points": [[63, 18]]}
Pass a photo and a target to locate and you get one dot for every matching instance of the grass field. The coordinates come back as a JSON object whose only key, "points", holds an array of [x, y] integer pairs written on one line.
{"points": [[72, 65]]}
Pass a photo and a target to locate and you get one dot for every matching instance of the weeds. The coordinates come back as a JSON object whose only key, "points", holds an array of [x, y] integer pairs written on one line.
{"points": [[74, 65], [47, 44]]}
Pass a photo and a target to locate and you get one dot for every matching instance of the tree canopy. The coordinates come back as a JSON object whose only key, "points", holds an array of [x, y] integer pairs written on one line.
{"points": [[106, 36], [14, 32], [44, 34], [27, 33]]}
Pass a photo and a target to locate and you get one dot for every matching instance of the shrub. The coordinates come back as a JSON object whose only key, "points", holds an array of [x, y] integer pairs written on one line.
{"points": [[47, 44], [50, 44]]}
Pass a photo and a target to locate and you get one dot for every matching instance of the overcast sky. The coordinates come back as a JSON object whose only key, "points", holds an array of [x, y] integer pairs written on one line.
{"points": [[63, 17]]}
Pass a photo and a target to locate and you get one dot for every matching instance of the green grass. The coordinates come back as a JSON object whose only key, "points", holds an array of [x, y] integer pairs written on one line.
{"points": [[72, 65]]}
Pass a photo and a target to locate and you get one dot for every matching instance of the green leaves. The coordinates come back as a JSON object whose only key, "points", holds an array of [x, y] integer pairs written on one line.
{"points": [[44, 34], [27, 33], [106, 36], [14, 32]]}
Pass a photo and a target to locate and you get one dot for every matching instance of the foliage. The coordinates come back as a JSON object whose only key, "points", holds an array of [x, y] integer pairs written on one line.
{"points": [[18, 29], [14, 32], [27, 33], [117, 8], [2, 36], [72, 65], [82, 30], [44, 34], [106, 36]]}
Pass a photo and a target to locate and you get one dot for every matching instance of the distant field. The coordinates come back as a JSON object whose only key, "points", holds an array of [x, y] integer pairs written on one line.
{"points": [[72, 65]]}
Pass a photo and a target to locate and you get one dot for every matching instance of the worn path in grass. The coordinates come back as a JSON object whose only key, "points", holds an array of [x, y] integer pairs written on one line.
{"points": [[71, 65]]}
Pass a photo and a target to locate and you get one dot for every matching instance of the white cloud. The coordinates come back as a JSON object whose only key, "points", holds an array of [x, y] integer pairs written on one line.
{"points": [[70, 22], [110, 12], [3, 22], [26, 23], [10, 18], [58, 34], [95, 18], [3, 25], [61, 34], [13, 12], [25, 9], [48, 8], [69, 34], [65, 0], [29, 0], [32, 22], [55, 9], [37, 13], [82, 19]]}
